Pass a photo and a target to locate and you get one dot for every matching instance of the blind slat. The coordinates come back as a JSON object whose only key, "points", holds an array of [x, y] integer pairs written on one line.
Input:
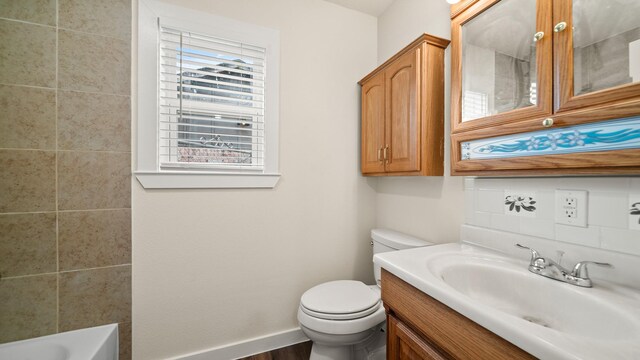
{"points": [[187, 89], [219, 109], [257, 89], [198, 60], [190, 47]]}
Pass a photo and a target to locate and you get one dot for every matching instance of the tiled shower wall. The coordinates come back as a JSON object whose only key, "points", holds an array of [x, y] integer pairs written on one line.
{"points": [[65, 204], [611, 223]]}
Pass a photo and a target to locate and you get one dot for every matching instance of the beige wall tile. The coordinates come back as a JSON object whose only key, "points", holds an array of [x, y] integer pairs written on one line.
{"points": [[107, 18], [28, 118], [88, 121], [95, 297], [36, 11], [94, 180], [124, 334], [27, 244], [89, 239], [93, 63], [27, 180], [28, 307], [27, 54]]}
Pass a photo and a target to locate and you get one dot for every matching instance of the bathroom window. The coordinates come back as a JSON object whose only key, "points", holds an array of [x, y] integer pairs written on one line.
{"points": [[208, 100]]}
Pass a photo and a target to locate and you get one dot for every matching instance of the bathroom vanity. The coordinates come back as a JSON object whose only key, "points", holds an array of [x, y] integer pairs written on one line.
{"points": [[477, 299], [420, 327]]}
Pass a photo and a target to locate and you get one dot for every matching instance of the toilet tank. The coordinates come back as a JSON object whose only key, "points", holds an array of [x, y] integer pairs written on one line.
{"points": [[384, 240]]}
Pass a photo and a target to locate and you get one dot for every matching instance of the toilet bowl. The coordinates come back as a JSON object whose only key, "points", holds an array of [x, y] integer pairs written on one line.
{"points": [[345, 319]]}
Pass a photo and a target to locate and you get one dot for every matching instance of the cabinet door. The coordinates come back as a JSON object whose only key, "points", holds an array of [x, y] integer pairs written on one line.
{"points": [[402, 80], [373, 123], [597, 52], [404, 344], [501, 63]]}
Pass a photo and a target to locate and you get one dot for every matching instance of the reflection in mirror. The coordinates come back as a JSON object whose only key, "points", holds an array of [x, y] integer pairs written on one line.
{"points": [[606, 44], [499, 60]]}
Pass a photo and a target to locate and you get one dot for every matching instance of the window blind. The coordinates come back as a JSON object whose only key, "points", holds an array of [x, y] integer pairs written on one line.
{"points": [[211, 102]]}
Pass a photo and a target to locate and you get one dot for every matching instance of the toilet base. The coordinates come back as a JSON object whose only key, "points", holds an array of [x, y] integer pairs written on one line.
{"points": [[373, 348]]}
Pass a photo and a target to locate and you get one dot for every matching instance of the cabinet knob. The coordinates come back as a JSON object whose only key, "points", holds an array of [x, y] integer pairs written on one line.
{"points": [[538, 36], [548, 122], [560, 26]]}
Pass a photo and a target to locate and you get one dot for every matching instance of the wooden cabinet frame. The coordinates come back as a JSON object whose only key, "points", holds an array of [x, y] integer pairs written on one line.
{"points": [[554, 58], [421, 327], [542, 109], [407, 123]]}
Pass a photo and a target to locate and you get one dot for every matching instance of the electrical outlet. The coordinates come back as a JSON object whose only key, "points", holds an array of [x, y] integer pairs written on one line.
{"points": [[571, 207]]}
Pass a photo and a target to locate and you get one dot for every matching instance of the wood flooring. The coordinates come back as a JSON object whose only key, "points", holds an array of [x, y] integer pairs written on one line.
{"points": [[299, 351]]}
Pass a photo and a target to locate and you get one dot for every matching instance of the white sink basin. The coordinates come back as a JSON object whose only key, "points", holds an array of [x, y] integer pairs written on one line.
{"points": [[547, 318], [506, 287]]}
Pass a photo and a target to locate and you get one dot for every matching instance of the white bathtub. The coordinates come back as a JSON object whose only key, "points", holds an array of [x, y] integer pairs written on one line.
{"points": [[96, 343]]}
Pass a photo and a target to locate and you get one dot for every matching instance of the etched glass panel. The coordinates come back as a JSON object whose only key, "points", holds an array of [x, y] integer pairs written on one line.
{"points": [[499, 60], [606, 44]]}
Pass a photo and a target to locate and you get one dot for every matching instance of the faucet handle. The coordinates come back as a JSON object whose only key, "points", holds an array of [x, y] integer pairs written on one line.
{"points": [[534, 254], [580, 270]]}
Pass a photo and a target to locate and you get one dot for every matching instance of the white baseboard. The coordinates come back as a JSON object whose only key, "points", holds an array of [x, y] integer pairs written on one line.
{"points": [[249, 347]]}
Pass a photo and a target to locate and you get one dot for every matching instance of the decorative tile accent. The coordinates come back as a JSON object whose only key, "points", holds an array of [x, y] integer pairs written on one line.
{"points": [[28, 307], [107, 18], [27, 54], [634, 212], [600, 136], [35, 11], [520, 203], [28, 118], [27, 244], [27, 180]]}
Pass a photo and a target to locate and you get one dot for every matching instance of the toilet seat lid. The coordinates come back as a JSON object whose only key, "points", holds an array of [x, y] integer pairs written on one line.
{"points": [[342, 298]]}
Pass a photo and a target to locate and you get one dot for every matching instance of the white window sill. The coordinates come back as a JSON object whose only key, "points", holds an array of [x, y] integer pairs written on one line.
{"points": [[196, 180]]}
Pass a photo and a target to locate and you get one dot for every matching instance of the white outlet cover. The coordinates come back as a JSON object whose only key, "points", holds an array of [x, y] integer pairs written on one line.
{"points": [[520, 203], [634, 211], [580, 197]]}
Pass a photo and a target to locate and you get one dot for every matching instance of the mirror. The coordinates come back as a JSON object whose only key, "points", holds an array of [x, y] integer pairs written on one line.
{"points": [[499, 60]]}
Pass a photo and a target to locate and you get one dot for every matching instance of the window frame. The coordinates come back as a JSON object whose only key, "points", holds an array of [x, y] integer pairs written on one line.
{"points": [[148, 170]]}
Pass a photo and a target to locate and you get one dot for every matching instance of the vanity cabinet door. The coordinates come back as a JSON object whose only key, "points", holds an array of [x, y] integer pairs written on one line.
{"points": [[373, 125], [404, 344], [501, 63], [403, 124], [597, 53]]}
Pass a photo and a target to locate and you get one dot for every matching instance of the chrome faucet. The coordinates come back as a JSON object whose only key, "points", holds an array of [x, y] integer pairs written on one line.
{"points": [[546, 267]]}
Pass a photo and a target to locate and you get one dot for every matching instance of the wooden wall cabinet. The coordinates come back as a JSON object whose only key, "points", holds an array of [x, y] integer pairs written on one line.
{"points": [[402, 130], [420, 327], [548, 86]]}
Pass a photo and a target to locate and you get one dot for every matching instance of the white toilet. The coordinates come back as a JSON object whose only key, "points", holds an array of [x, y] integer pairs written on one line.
{"points": [[345, 319]]}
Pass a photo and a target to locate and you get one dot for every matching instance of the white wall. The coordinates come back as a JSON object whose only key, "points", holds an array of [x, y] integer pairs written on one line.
{"points": [[427, 207], [212, 267]]}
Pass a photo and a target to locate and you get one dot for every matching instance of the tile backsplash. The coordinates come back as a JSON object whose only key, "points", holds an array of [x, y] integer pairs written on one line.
{"points": [[613, 209]]}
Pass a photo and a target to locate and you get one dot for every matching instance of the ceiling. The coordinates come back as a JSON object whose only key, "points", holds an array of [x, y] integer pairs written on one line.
{"points": [[371, 7]]}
